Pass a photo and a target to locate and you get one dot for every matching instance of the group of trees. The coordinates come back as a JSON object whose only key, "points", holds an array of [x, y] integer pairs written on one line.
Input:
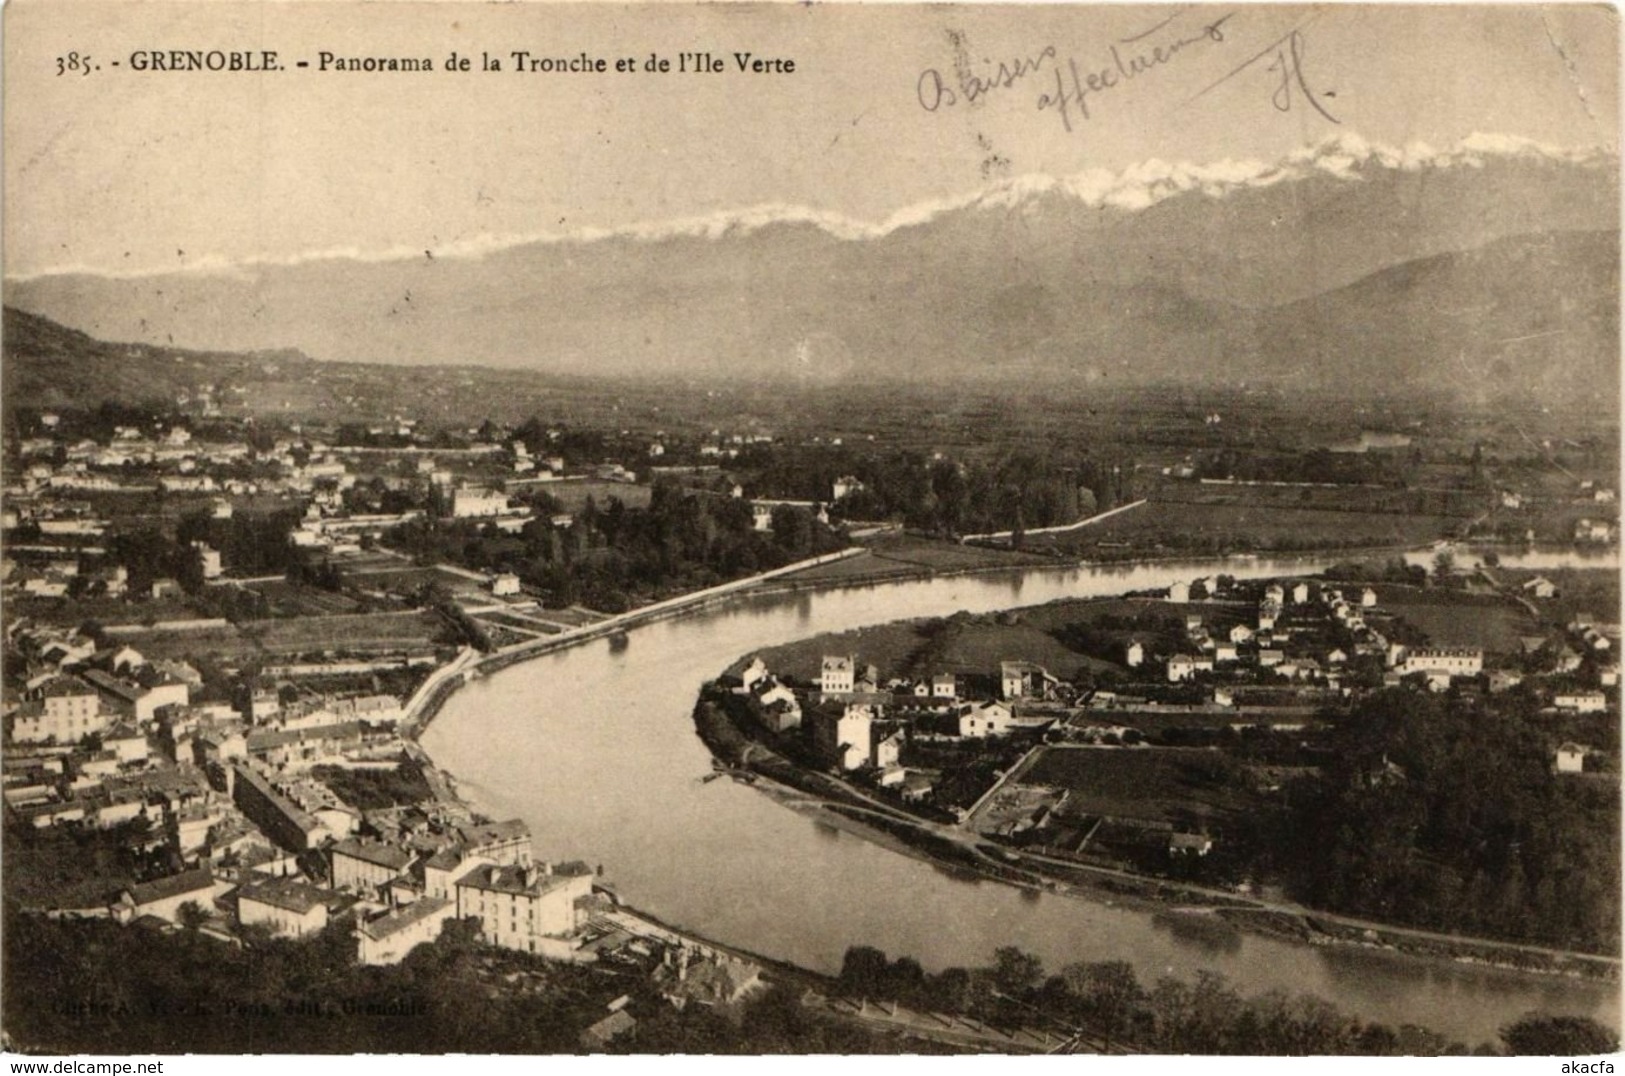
{"points": [[1439, 813], [612, 557], [122, 990], [943, 496], [1320, 466], [1106, 1002], [132, 991], [371, 790], [251, 543]]}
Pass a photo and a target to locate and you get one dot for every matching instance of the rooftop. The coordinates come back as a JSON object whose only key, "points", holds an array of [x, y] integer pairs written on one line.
{"points": [[112, 685], [59, 687], [375, 852], [492, 832], [525, 881], [399, 919], [291, 894], [192, 881]]}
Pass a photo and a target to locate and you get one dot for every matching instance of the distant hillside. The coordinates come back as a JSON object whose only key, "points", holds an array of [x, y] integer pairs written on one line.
{"points": [[1529, 316], [48, 365], [1534, 316], [1342, 265]]}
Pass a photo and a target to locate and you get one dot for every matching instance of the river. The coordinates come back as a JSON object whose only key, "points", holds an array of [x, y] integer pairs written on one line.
{"points": [[594, 747]]}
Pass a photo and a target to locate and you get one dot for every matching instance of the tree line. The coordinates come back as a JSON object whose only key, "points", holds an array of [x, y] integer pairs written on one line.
{"points": [[613, 557], [1104, 1004]]}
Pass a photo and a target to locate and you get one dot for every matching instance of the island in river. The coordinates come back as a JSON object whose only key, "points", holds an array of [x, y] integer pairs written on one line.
{"points": [[1376, 756], [800, 887]]}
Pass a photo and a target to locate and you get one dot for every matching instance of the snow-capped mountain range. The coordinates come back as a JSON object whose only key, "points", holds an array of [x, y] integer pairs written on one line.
{"points": [[1344, 256]]}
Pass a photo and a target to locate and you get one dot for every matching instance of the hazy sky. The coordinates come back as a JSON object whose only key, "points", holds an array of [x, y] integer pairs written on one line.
{"points": [[121, 170]]}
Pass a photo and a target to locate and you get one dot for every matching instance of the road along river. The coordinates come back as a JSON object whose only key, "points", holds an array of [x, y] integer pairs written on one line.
{"points": [[595, 748]]}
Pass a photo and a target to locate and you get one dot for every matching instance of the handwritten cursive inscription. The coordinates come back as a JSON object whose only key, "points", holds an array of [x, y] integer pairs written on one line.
{"points": [[1285, 56], [1288, 65], [934, 92], [1074, 86]]}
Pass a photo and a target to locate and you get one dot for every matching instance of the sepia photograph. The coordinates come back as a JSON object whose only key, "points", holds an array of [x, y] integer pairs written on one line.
{"points": [[809, 529]]}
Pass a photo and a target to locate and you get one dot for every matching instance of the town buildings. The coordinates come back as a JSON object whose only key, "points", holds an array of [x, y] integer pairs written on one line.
{"points": [[528, 907]]}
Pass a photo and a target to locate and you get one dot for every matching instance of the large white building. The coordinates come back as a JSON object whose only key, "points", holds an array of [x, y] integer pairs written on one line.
{"points": [[472, 503], [209, 560], [64, 709], [285, 906], [1181, 667], [529, 908], [1452, 661], [844, 734], [838, 674], [982, 719]]}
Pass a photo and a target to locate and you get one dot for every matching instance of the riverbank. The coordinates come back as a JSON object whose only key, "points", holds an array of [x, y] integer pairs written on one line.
{"points": [[897, 830], [589, 702], [422, 709], [737, 745]]}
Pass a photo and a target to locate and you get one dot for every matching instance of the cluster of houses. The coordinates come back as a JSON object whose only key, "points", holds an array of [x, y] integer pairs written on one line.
{"points": [[260, 842], [856, 721], [224, 804], [395, 884], [226, 794], [1269, 654], [45, 490], [1294, 632]]}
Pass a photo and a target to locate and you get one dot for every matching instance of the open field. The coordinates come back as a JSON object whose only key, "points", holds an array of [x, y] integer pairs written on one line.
{"points": [[572, 496], [357, 633], [864, 567], [1579, 590], [103, 610], [1436, 497], [1454, 618], [352, 633], [290, 600], [1174, 785], [524, 625], [946, 556], [401, 577], [976, 644], [900, 556], [888, 646], [1216, 527], [369, 561], [225, 642], [574, 616]]}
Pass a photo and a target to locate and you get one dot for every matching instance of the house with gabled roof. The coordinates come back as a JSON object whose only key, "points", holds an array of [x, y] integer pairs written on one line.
{"points": [[607, 1030], [163, 897], [387, 938], [363, 866], [838, 674], [1541, 587], [288, 906], [528, 908], [1570, 758]]}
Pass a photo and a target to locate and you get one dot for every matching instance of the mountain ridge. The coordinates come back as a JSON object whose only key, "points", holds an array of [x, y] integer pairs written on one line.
{"points": [[1029, 279], [1136, 187], [1530, 315]]}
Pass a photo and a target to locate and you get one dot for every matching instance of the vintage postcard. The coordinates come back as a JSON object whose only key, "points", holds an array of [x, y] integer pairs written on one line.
{"points": [[772, 528]]}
